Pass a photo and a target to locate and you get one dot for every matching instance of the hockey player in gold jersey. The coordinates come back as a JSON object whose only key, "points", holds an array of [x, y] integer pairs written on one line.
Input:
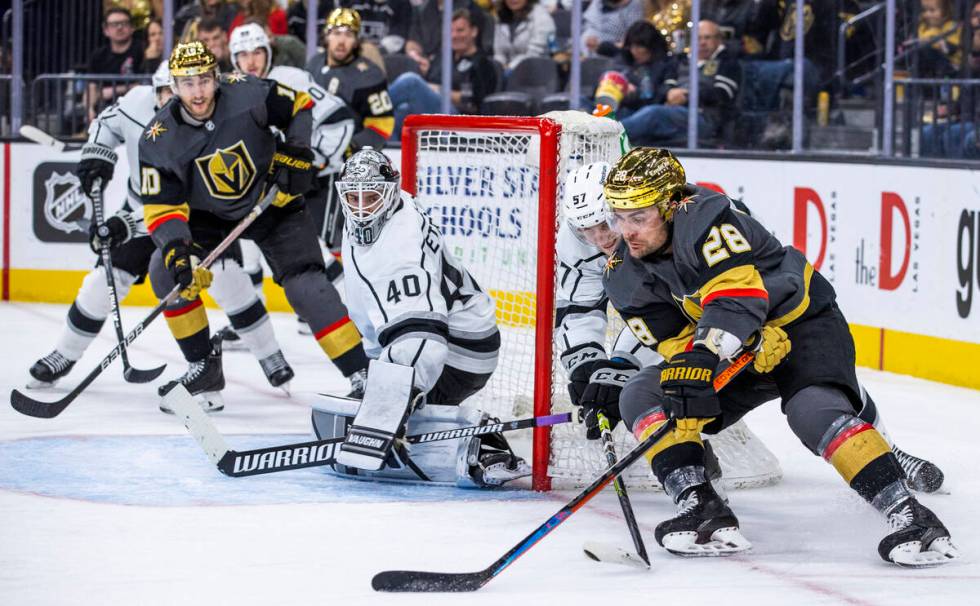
{"points": [[204, 162], [700, 281]]}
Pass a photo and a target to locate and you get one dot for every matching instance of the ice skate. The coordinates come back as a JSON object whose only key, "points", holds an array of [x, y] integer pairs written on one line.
{"points": [[46, 371], [704, 526], [918, 539], [204, 380], [230, 340], [492, 462], [277, 371], [922, 475]]}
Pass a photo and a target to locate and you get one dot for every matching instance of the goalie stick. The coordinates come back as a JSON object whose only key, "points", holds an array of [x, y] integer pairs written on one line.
{"points": [[130, 373], [601, 552], [39, 136], [313, 453], [48, 410], [418, 581]]}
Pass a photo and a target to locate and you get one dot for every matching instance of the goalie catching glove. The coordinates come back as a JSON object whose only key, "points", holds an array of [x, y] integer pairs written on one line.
{"points": [[183, 266], [604, 381]]}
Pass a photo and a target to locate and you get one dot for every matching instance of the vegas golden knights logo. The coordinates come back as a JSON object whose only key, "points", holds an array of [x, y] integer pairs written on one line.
{"points": [[228, 172]]}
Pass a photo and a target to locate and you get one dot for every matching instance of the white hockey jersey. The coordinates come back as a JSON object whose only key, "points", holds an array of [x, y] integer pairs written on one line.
{"points": [[124, 122], [416, 305], [333, 121], [580, 321]]}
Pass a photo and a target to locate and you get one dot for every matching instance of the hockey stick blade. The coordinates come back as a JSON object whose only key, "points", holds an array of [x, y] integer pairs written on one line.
{"points": [[414, 581], [428, 582], [195, 420], [317, 453], [137, 375], [603, 552], [40, 137]]}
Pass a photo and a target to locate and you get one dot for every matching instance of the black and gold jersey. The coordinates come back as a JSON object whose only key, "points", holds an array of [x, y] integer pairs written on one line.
{"points": [[363, 87], [723, 269], [218, 165]]}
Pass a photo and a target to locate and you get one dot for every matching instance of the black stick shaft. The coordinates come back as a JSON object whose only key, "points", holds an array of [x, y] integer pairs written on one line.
{"points": [[109, 277], [624, 498]]}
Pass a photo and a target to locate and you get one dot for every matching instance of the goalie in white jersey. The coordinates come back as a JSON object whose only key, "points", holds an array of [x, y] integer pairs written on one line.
{"points": [[125, 123], [417, 308], [333, 122], [585, 241]]}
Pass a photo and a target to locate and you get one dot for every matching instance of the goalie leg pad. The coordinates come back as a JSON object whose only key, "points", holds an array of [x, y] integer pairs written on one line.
{"points": [[381, 416]]}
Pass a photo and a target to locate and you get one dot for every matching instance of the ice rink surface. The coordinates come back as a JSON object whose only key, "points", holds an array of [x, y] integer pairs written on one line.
{"points": [[112, 503]]}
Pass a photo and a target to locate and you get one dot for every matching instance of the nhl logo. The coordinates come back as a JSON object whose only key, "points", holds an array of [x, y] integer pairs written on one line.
{"points": [[65, 205]]}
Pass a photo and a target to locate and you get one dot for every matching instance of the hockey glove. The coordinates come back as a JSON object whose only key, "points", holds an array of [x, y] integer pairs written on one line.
{"points": [[688, 383], [293, 168], [774, 347], [117, 229], [606, 383], [183, 266], [97, 163]]}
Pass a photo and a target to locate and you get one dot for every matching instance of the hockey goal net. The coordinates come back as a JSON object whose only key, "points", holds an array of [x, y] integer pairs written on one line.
{"points": [[493, 186]]}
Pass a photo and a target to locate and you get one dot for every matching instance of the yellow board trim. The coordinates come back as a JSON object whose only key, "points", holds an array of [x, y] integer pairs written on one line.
{"points": [[933, 358]]}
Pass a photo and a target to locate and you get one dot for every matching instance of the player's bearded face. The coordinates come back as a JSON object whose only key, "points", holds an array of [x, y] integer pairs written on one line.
{"points": [[197, 94], [252, 62], [340, 43], [643, 229], [601, 236]]}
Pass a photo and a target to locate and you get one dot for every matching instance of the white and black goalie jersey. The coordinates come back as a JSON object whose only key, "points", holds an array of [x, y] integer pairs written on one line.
{"points": [[580, 321], [124, 123], [416, 305]]}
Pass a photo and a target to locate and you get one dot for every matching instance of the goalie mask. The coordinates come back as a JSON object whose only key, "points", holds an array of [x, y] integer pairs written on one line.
{"points": [[368, 189]]}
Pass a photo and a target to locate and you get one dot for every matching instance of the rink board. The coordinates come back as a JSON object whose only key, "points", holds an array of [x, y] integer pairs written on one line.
{"points": [[900, 244]]}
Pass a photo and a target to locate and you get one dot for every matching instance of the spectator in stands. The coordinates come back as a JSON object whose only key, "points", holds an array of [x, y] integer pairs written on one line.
{"points": [[153, 55], [122, 55], [221, 10], [525, 29], [215, 37], [642, 71], [266, 11], [938, 41], [718, 81], [425, 34], [142, 11], [605, 22], [746, 33], [473, 77], [958, 138]]}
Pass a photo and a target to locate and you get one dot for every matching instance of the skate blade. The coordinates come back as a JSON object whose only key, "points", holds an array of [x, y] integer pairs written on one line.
{"points": [[723, 542], [499, 474], [233, 346], [603, 552], [209, 401], [40, 385], [910, 555], [285, 387]]}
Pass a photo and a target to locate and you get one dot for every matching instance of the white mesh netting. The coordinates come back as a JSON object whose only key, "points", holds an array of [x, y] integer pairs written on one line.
{"points": [[482, 189]]}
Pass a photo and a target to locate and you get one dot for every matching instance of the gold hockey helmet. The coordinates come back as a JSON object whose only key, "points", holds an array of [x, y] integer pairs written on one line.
{"points": [[646, 176], [344, 17], [192, 59]]}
